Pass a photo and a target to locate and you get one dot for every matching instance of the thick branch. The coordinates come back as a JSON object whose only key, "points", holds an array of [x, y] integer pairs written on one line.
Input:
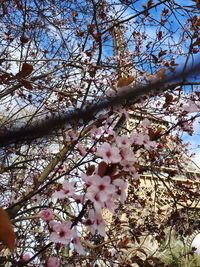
{"points": [[130, 96]]}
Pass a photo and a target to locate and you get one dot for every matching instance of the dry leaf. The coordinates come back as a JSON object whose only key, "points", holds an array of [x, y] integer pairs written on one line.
{"points": [[123, 243], [161, 73], [24, 39], [7, 234], [90, 170], [125, 81], [26, 84], [150, 3], [25, 71], [102, 168], [160, 35], [197, 42], [197, 3]]}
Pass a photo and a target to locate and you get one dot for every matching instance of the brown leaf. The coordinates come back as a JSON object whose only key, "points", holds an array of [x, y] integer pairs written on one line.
{"points": [[162, 53], [36, 183], [111, 171], [150, 3], [102, 168], [169, 98], [123, 243], [7, 235], [159, 35], [91, 28], [26, 84], [197, 3], [161, 73], [197, 42], [97, 37], [19, 6], [155, 58], [4, 8], [24, 39], [26, 69], [80, 33], [154, 134], [125, 81], [90, 170], [165, 11], [74, 13]]}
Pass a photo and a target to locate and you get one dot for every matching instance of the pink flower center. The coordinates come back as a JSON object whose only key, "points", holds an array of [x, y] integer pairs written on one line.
{"points": [[96, 197], [101, 187], [62, 233], [88, 222], [75, 241], [108, 154], [119, 192]]}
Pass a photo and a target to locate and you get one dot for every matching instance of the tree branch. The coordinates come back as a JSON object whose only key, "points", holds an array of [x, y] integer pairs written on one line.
{"points": [[131, 95]]}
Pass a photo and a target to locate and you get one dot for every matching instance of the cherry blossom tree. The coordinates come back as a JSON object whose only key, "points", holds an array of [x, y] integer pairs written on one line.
{"points": [[73, 194]]}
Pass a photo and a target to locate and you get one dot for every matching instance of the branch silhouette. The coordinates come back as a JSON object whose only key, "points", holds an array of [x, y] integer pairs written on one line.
{"points": [[129, 97]]}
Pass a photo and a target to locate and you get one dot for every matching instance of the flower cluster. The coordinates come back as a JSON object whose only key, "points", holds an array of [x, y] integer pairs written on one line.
{"points": [[61, 233], [46, 215], [53, 262], [64, 234], [68, 190], [100, 189], [103, 193], [122, 152], [95, 222]]}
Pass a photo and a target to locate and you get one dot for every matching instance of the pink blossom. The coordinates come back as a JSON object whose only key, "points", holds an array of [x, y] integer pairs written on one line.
{"points": [[96, 200], [146, 123], [78, 198], [110, 204], [100, 190], [123, 141], [95, 132], [127, 154], [84, 57], [46, 215], [53, 262], [102, 185], [127, 166], [26, 257], [121, 189], [142, 139], [190, 107], [77, 245], [107, 130], [87, 179], [68, 190], [109, 153], [109, 120], [136, 176], [81, 149], [95, 222], [149, 144], [62, 232], [138, 138], [70, 136], [36, 198]]}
